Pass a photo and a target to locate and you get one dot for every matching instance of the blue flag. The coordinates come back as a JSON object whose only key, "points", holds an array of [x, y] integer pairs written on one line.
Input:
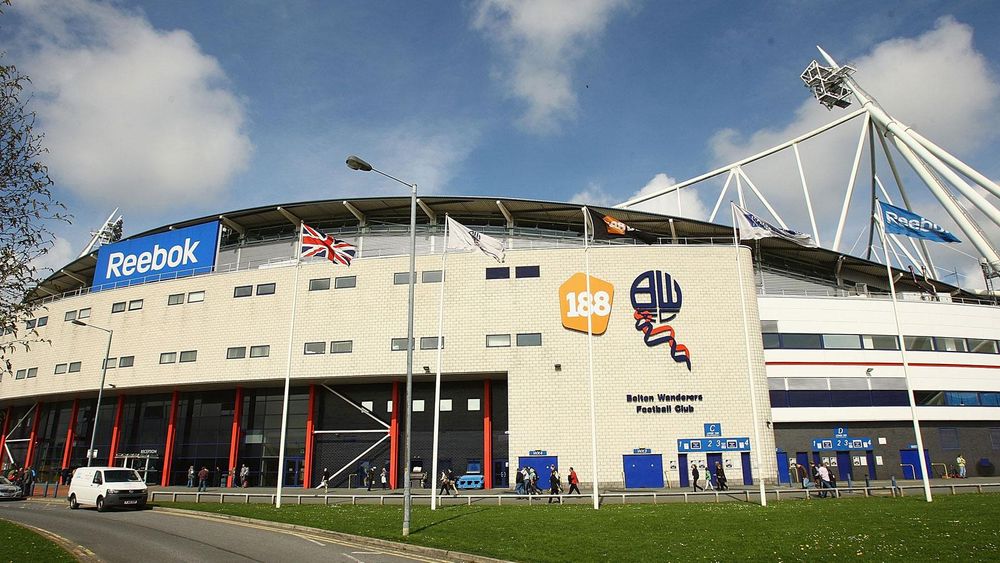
{"points": [[902, 222]]}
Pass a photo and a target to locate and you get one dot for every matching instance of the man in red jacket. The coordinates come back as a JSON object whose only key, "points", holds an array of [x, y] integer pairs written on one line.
{"points": [[203, 479], [574, 482]]}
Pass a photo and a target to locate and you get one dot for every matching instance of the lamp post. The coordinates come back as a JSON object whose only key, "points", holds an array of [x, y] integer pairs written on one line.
{"points": [[100, 391], [356, 163]]}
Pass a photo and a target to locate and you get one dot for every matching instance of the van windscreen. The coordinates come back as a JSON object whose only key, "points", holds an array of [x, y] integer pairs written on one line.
{"points": [[121, 476]]}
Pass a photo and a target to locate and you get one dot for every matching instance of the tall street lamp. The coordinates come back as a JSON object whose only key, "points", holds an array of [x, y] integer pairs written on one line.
{"points": [[100, 391], [356, 163]]}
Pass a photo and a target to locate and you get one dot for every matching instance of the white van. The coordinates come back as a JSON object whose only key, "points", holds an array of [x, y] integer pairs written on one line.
{"points": [[106, 487]]}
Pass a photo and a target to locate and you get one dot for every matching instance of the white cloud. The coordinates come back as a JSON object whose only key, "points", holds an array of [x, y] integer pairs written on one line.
{"points": [[131, 114], [541, 40], [595, 195], [691, 205], [58, 255]]}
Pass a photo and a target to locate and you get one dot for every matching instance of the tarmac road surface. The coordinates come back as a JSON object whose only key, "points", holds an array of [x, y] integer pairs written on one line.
{"points": [[151, 535]]}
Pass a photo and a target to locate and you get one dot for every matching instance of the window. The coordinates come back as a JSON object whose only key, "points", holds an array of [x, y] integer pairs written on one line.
{"points": [[126, 361], [20, 374], [196, 297], [995, 438], [341, 346], [418, 405], [401, 278], [949, 438], [135, 305], [346, 282], [398, 344], [526, 271], [445, 405], [879, 342], [60, 368], [989, 399], [261, 351], [961, 398], [529, 339], [110, 363], [982, 346], [118, 307], [312, 348], [842, 341], [946, 344], [430, 342], [189, 356], [69, 316], [497, 340], [175, 299], [388, 406], [236, 353], [42, 321], [84, 313], [473, 405], [168, 357], [32, 372], [74, 367], [243, 291], [29, 324], [918, 343], [771, 340], [801, 341], [265, 289], [497, 273], [431, 276], [319, 284], [368, 405]]}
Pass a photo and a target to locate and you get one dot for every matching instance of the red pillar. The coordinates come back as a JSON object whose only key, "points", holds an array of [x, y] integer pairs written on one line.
{"points": [[34, 434], [394, 438], [487, 434], [308, 463], [68, 449], [3, 437], [168, 449], [234, 440], [116, 431]]}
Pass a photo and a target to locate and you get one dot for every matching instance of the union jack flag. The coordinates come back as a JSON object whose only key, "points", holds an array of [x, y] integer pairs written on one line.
{"points": [[315, 243]]}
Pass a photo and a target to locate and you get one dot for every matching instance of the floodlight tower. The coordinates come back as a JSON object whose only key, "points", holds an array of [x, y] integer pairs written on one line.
{"points": [[110, 231], [832, 85]]}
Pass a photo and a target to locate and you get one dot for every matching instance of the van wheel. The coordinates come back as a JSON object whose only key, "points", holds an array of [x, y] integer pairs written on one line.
{"points": [[73, 505], [100, 504]]}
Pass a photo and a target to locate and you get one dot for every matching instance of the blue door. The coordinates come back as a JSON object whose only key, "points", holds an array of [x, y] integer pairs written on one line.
{"points": [[784, 476], [871, 464], [684, 470], [643, 471], [747, 470], [844, 466], [541, 463], [710, 468], [909, 460]]}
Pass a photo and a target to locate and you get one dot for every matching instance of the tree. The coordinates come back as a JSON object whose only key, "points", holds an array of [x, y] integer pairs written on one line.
{"points": [[27, 207]]}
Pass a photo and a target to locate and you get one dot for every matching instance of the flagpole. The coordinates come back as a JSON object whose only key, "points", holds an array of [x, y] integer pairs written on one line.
{"points": [[590, 358], [288, 373], [437, 377], [758, 446], [906, 365]]}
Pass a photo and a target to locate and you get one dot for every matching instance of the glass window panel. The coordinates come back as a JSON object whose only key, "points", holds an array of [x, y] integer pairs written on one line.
{"points": [[880, 342], [445, 405], [243, 291], [961, 398], [32, 372], [314, 348], [261, 351], [842, 341], [110, 363], [341, 346], [497, 340], [345, 282], [126, 361], [418, 405], [529, 339], [60, 368], [20, 374], [319, 284], [84, 313], [949, 344], [368, 405], [69, 316], [175, 299], [526, 271], [135, 305], [430, 343], [801, 341], [851, 398], [949, 438], [196, 297], [401, 278], [989, 399], [74, 367], [236, 353], [771, 340], [980, 346], [30, 324], [919, 343], [118, 307], [189, 356], [265, 289], [43, 321], [168, 357], [473, 405], [398, 344], [430, 276], [809, 398], [778, 398], [497, 273], [889, 398]]}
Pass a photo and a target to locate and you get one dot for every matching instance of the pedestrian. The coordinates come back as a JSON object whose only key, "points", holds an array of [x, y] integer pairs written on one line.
{"points": [[519, 482], [235, 478], [385, 479], [720, 477], [451, 482], [325, 481], [694, 477], [574, 482], [223, 474], [554, 484], [960, 460], [244, 476], [190, 476], [708, 478], [203, 479], [800, 474], [443, 483], [370, 477], [824, 479], [533, 482]]}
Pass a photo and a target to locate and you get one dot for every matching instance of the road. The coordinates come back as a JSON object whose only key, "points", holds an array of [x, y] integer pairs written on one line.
{"points": [[152, 535]]}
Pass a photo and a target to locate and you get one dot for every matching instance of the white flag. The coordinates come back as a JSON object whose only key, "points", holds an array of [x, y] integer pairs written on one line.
{"points": [[461, 237], [753, 227]]}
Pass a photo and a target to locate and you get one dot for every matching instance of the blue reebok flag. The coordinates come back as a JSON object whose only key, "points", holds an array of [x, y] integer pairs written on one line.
{"points": [[902, 222]]}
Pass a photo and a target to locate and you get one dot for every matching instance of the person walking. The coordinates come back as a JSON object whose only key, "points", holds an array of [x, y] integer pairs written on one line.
{"points": [[244, 476], [694, 477], [554, 485], [385, 479], [450, 475], [325, 482], [709, 486], [223, 474], [519, 482], [824, 479], [720, 477], [203, 479], [960, 460], [370, 477], [574, 482], [190, 476]]}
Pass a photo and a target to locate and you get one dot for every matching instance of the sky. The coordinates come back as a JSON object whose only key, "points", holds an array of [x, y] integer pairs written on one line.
{"points": [[176, 109]]}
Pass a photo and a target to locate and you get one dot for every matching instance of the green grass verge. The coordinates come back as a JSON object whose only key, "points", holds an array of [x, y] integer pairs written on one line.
{"points": [[963, 527], [21, 544]]}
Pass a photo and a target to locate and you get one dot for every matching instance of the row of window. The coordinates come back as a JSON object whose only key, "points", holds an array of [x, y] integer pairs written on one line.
{"points": [[247, 290], [27, 373], [240, 352], [426, 343], [77, 314], [343, 282], [427, 276], [39, 322], [803, 341], [192, 297], [838, 398], [503, 273], [133, 305], [957, 398], [184, 357], [420, 405], [72, 367]]}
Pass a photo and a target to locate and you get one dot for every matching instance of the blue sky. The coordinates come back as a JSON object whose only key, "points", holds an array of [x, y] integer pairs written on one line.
{"points": [[176, 109]]}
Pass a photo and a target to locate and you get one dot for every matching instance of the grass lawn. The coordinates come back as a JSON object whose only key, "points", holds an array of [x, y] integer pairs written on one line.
{"points": [[964, 527], [21, 544]]}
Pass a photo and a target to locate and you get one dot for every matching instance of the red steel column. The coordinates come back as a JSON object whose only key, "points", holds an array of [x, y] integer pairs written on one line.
{"points": [[234, 440], [310, 425], [394, 438], [68, 449], [34, 434], [116, 431], [487, 434], [3, 436], [168, 449]]}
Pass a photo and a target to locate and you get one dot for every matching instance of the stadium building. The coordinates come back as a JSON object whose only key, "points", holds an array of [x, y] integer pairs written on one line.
{"points": [[205, 319]]}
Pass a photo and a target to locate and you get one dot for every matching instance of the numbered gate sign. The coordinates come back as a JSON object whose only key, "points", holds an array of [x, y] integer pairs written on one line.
{"points": [[576, 305]]}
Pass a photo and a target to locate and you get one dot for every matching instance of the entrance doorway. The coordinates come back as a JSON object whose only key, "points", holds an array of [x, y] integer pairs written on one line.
{"points": [[541, 464], [643, 471], [909, 461], [684, 473], [784, 469], [712, 459], [845, 467], [747, 470], [293, 471]]}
